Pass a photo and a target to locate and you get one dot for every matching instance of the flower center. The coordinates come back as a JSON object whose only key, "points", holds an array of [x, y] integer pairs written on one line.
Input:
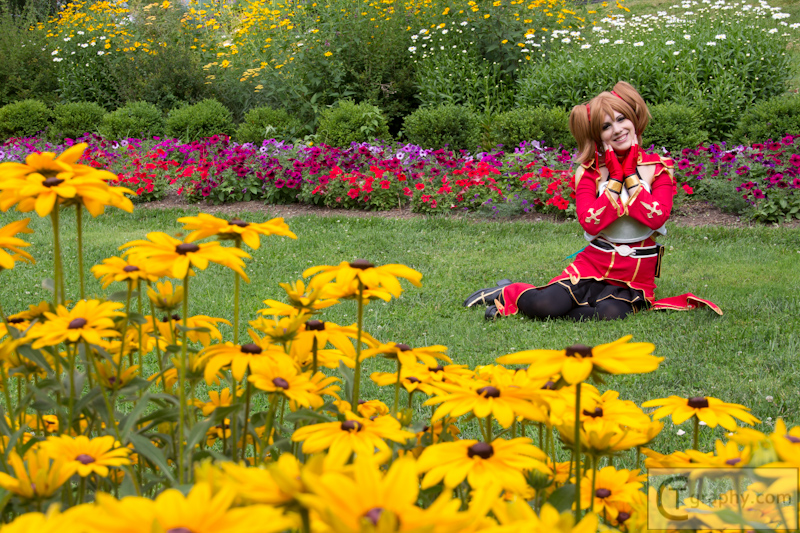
{"points": [[602, 493], [352, 425], [187, 248], [85, 459], [622, 516], [793, 439], [733, 462], [412, 379], [374, 514], [439, 368], [698, 402], [179, 530], [77, 323], [361, 264], [16, 320], [52, 182], [597, 413], [402, 347], [483, 450], [251, 348], [578, 350], [240, 223], [280, 382], [549, 386], [489, 392], [315, 325], [130, 268]]}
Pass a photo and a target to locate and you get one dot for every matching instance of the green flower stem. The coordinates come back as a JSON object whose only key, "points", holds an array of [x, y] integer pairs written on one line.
{"points": [[182, 382], [124, 329], [489, 436], [7, 396], [396, 389], [577, 451], [314, 356], [158, 348], [594, 480], [71, 361], [357, 372], [236, 297], [139, 356], [696, 434], [56, 259], [273, 407], [542, 444], [247, 392], [411, 398], [79, 222], [234, 420]]}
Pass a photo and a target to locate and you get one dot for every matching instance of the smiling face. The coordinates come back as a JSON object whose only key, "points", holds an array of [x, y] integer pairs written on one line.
{"points": [[618, 132]]}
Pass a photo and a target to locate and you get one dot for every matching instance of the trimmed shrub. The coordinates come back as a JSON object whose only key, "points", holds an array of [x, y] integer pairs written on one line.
{"points": [[347, 122], [674, 127], [133, 119], [24, 119], [449, 125], [548, 125], [199, 121], [76, 118], [267, 123], [769, 119]]}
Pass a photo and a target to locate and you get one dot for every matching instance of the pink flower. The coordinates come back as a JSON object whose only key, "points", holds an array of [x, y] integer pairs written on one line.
{"points": [[684, 163], [795, 160]]}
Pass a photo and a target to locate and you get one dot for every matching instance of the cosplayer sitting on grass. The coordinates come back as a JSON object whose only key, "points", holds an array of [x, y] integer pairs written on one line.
{"points": [[623, 199]]}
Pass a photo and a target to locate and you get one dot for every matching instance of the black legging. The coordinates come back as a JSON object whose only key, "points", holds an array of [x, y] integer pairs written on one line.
{"points": [[555, 301]]}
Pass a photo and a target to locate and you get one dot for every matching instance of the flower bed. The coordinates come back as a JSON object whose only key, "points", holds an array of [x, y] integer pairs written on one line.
{"points": [[758, 181]]}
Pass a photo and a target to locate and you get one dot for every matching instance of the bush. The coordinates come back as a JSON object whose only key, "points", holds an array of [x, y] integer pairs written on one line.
{"points": [[199, 121], [24, 119], [27, 69], [550, 126], [347, 122], [132, 119], [769, 119], [267, 123], [674, 126], [77, 118], [448, 125]]}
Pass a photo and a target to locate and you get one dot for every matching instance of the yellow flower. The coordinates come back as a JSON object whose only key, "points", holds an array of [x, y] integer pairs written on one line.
{"points": [[89, 320], [481, 464], [111, 376], [118, 269], [52, 522], [204, 225], [612, 487], [166, 297], [408, 355], [712, 411], [37, 477], [577, 363], [280, 375], [275, 484], [162, 252], [239, 357], [300, 302], [9, 242], [361, 436], [379, 282], [216, 399], [726, 455], [86, 457], [518, 516], [602, 437]]}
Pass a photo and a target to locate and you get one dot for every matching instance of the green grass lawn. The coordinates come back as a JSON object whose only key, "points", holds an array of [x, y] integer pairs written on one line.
{"points": [[747, 356]]}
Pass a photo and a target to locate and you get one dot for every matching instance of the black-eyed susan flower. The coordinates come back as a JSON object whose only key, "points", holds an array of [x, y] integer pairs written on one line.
{"points": [[362, 436], [216, 399], [412, 378], [281, 376], [676, 459], [601, 437], [205, 225], [117, 269], [51, 522], [481, 463], [726, 455], [166, 253], [280, 330], [611, 488], [324, 333], [238, 356], [517, 516], [84, 456], [712, 411], [88, 320], [429, 355], [35, 476], [576, 363], [115, 375], [165, 296], [300, 302], [10, 243], [380, 282]]}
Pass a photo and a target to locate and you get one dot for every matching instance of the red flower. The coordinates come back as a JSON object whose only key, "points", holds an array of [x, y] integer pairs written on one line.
{"points": [[419, 186], [385, 184], [547, 172], [687, 188], [353, 193], [407, 191], [426, 198]]}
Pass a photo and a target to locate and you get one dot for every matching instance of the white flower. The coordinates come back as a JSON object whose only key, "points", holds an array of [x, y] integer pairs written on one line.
{"points": [[444, 32], [640, 43], [100, 52], [702, 423], [778, 16], [412, 49], [687, 36], [681, 432], [795, 25], [83, 45], [566, 40], [669, 43], [603, 41], [55, 52], [80, 32], [711, 43], [769, 398], [619, 41], [721, 37], [585, 46], [529, 36], [67, 39], [773, 30], [464, 23], [58, 59], [676, 52]]}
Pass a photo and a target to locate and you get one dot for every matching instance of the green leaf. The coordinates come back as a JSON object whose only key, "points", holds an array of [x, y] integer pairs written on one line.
{"points": [[563, 498], [136, 318], [143, 446], [197, 433], [48, 285], [307, 415], [128, 421]]}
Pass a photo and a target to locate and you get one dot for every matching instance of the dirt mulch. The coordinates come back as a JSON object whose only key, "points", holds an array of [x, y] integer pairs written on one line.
{"points": [[691, 214]]}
